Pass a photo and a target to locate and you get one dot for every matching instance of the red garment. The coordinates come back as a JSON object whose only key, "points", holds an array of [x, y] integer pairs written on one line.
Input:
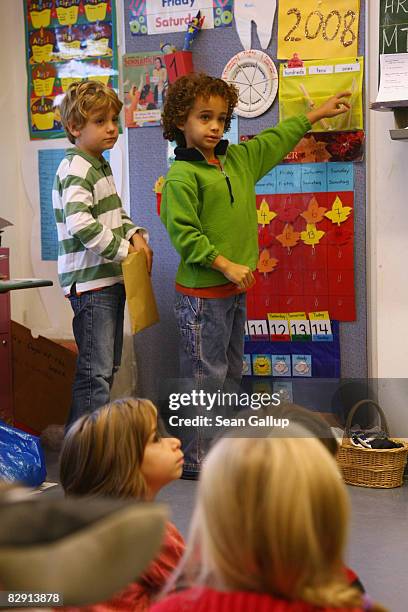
{"points": [[218, 291], [202, 599], [136, 597]]}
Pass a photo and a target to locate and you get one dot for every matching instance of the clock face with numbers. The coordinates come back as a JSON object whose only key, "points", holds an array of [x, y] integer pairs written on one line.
{"points": [[255, 75]]}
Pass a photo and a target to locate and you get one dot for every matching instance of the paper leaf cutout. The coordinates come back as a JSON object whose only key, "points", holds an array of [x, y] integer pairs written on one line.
{"points": [[310, 150], [265, 215], [288, 214], [338, 213], [312, 235], [158, 186], [288, 237], [339, 236], [314, 213], [266, 263]]}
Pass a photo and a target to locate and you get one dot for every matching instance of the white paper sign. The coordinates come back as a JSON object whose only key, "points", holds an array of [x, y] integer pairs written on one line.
{"points": [[164, 16], [394, 77]]}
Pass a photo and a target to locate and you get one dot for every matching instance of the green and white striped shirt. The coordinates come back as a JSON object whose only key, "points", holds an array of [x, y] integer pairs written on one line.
{"points": [[93, 229]]}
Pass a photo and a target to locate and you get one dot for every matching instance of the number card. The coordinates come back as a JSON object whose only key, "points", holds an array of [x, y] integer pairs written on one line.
{"points": [[178, 64], [321, 326], [316, 29], [278, 327], [258, 329], [299, 326]]}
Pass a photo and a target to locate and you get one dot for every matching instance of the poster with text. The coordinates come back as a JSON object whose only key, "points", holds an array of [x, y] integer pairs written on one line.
{"points": [[66, 41], [145, 85], [307, 87], [165, 16], [316, 29]]}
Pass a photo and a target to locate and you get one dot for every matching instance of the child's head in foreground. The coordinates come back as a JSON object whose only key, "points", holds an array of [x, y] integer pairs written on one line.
{"points": [[91, 105], [117, 451], [271, 517], [186, 94]]}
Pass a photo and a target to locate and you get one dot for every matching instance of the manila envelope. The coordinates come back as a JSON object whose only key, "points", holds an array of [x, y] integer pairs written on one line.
{"points": [[139, 292]]}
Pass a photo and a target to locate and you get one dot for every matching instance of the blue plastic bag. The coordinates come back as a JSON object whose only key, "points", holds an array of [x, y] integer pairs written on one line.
{"points": [[21, 457]]}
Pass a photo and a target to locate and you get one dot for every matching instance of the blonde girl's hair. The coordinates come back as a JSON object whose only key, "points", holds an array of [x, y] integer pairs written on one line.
{"points": [[84, 98], [271, 517], [103, 451]]}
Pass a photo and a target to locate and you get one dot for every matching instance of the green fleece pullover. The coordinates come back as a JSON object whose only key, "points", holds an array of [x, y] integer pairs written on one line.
{"points": [[209, 213]]}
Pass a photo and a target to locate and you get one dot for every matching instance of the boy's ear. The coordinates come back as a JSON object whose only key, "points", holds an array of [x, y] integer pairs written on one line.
{"points": [[74, 130]]}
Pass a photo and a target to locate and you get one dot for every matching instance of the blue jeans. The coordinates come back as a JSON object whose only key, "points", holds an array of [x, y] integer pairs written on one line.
{"points": [[98, 331], [211, 355]]}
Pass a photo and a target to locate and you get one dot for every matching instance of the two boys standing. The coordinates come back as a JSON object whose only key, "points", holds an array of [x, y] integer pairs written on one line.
{"points": [[208, 208]]}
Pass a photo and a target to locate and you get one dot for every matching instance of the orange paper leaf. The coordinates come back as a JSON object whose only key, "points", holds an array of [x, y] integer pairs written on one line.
{"points": [[312, 235], [338, 213], [288, 238], [266, 263], [265, 215], [314, 213]]}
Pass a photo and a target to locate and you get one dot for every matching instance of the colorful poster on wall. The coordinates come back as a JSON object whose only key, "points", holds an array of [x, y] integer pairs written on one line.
{"points": [[393, 26], [165, 16], [304, 88], [66, 41], [317, 29], [305, 236], [145, 85]]}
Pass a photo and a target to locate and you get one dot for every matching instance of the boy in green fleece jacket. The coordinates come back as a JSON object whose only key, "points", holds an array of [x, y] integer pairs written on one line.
{"points": [[209, 209]]}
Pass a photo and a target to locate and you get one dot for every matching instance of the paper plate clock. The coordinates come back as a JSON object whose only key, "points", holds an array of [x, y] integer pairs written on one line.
{"points": [[256, 77]]}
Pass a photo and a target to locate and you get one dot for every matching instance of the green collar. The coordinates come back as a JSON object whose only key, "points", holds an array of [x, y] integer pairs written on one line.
{"points": [[96, 162]]}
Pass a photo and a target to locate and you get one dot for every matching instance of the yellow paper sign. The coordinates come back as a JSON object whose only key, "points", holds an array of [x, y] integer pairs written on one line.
{"points": [[316, 29], [307, 87]]}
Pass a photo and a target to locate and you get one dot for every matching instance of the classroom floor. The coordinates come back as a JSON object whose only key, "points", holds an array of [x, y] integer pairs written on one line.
{"points": [[377, 550]]}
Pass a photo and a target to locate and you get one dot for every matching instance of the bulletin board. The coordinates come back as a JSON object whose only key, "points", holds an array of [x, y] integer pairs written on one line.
{"points": [[157, 348]]}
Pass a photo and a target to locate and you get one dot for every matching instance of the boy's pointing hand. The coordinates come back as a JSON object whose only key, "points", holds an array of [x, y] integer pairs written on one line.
{"points": [[337, 105]]}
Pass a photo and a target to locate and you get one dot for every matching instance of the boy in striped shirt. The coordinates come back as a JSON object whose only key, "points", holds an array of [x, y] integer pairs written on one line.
{"points": [[95, 235]]}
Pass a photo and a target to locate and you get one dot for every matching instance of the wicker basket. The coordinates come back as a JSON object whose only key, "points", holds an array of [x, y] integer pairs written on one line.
{"points": [[365, 467]]}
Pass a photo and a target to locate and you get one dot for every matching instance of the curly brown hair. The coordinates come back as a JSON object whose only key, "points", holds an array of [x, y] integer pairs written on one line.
{"points": [[182, 95]]}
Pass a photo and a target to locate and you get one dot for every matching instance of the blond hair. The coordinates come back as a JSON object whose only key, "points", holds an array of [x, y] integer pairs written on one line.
{"points": [[103, 451], [271, 517], [84, 98]]}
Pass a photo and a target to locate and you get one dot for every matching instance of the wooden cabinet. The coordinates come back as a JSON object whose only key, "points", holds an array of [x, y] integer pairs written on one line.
{"points": [[6, 389]]}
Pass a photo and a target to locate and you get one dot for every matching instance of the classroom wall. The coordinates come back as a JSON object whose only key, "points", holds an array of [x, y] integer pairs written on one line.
{"points": [[387, 251], [44, 311], [14, 204], [387, 246]]}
